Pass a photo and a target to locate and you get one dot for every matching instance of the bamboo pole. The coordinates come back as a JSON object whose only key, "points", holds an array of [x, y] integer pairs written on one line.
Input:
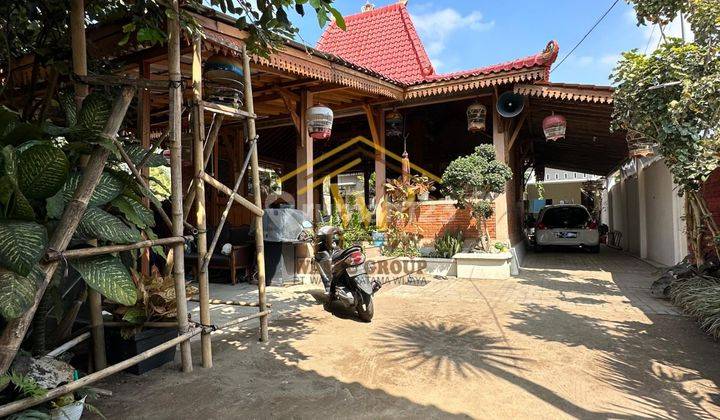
{"points": [[15, 329], [176, 178], [259, 237], [79, 53], [254, 208], [226, 212], [150, 324], [210, 140], [20, 405], [198, 124], [70, 344], [101, 250], [231, 302], [97, 329]]}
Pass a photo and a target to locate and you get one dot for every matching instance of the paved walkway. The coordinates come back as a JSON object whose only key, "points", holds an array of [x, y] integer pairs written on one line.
{"points": [[575, 335]]}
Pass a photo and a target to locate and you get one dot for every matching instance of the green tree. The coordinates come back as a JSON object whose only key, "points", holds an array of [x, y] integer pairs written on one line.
{"points": [[671, 97], [474, 181]]}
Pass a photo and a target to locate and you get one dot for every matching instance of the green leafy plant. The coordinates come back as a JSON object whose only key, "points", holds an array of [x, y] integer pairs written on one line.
{"points": [[400, 195], [473, 181], [39, 173], [449, 244], [27, 387]]}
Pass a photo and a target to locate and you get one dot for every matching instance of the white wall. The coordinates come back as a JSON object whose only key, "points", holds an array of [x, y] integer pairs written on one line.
{"points": [[665, 241]]}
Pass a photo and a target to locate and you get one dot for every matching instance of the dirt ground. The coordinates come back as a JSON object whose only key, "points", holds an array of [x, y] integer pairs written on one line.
{"points": [[576, 335]]}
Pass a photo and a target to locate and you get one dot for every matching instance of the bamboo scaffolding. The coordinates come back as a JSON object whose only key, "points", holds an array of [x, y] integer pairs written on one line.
{"points": [[210, 141], [228, 206], [20, 405], [15, 329], [91, 252], [114, 80], [259, 237], [254, 208], [198, 124], [175, 128], [151, 150]]}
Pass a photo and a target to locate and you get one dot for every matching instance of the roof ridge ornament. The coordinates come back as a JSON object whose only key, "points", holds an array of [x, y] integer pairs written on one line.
{"points": [[367, 7]]}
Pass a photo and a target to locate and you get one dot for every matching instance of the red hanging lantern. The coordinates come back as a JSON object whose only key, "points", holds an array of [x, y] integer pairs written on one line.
{"points": [[554, 127], [319, 120]]}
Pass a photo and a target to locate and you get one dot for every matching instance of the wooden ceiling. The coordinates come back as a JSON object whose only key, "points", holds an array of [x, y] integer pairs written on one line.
{"points": [[589, 145]]}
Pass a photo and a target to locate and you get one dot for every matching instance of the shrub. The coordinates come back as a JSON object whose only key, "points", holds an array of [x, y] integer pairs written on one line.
{"points": [[448, 244]]}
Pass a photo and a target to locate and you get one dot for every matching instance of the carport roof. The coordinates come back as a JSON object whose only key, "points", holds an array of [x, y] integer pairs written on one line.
{"points": [[589, 146]]}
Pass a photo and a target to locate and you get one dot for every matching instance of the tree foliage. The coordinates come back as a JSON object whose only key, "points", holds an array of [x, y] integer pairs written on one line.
{"points": [[473, 181], [672, 98]]}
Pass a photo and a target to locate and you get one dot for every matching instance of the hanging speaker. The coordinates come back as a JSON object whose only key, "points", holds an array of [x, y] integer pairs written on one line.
{"points": [[510, 104]]}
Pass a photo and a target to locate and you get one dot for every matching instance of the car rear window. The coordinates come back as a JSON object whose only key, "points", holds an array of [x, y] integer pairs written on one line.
{"points": [[565, 217]]}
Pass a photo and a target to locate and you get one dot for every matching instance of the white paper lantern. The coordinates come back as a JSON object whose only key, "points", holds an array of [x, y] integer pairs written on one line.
{"points": [[319, 120]]}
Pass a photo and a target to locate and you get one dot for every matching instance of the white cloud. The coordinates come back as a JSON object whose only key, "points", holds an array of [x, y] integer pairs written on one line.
{"points": [[435, 27], [610, 59]]}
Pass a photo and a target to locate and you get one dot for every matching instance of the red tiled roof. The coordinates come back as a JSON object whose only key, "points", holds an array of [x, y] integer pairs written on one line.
{"points": [[385, 40], [543, 59]]}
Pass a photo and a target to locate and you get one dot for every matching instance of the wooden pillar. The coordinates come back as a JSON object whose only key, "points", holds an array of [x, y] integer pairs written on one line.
{"points": [[379, 141], [175, 129], [501, 208], [304, 160], [198, 125], [143, 133], [255, 168]]}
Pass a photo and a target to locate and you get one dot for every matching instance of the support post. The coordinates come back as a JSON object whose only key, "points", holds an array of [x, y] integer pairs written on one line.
{"points": [[198, 124], [143, 133], [255, 169], [304, 153], [642, 209], [175, 127], [97, 329], [502, 233], [79, 52]]}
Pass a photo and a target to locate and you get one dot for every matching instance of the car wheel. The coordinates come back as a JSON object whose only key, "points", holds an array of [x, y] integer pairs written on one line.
{"points": [[595, 249]]}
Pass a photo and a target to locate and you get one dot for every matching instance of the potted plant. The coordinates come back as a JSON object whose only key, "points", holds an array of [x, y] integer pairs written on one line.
{"points": [[155, 303], [474, 181], [423, 185]]}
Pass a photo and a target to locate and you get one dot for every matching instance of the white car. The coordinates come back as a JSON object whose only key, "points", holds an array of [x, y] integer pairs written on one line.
{"points": [[566, 225]]}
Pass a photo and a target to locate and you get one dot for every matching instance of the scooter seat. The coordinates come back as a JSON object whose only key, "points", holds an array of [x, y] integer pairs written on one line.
{"points": [[341, 254]]}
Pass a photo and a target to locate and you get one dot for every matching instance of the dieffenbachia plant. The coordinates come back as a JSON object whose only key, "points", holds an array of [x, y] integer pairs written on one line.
{"points": [[39, 172]]}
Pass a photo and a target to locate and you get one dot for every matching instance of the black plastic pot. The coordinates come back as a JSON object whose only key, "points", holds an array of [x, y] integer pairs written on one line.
{"points": [[120, 349]]}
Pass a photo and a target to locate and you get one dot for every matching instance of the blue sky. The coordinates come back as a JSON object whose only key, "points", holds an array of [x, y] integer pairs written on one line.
{"points": [[466, 34]]}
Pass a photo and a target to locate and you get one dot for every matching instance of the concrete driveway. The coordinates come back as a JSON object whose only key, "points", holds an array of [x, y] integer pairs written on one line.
{"points": [[576, 335]]}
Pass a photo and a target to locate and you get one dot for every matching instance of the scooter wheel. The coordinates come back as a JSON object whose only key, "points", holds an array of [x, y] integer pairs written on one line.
{"points": [[364, 307]]}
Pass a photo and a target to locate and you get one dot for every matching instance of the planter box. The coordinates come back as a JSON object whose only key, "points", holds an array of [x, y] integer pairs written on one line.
{"points": [[483, 266], [120, 349], [444, 267]]}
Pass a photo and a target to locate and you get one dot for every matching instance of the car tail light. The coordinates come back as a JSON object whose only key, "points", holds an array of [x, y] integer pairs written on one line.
{"points": [[356, 258], [540, 226], [593, 225]]}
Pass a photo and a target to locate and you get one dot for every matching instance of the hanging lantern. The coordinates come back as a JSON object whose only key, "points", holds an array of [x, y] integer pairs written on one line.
{"points": [[554, 127], [319, 121], [639, 145], [393, 124], [224, 80], [476, 114]]}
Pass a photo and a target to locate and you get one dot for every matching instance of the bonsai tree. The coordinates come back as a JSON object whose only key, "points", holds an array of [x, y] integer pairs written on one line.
{"points": [[474, 181], [671, 98]]}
